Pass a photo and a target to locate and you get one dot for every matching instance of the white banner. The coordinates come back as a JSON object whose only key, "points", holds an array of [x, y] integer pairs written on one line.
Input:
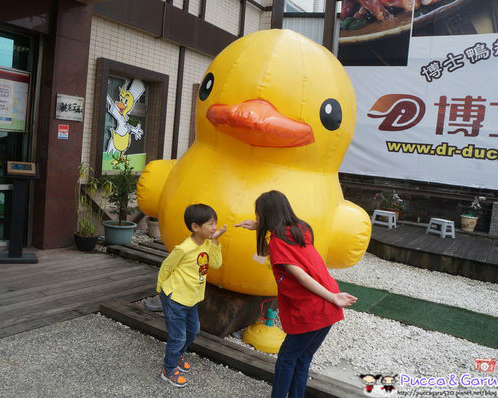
{"points": [[434, 120]]}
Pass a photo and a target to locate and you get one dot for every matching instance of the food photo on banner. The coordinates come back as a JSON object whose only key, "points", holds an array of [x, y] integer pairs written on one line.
{"points": [[434, 119]]}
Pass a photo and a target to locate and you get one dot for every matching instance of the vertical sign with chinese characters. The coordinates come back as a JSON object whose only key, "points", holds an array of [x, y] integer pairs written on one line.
{"points": [[435, 119]]}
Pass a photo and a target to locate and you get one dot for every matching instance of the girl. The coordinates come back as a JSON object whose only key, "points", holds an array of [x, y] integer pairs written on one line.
{"points": [[309, 301]]}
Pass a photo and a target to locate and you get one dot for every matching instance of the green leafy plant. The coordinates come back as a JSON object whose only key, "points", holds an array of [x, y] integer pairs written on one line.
{"points": [[124, 186], [389, 200], [475, 208], [87, 188]]}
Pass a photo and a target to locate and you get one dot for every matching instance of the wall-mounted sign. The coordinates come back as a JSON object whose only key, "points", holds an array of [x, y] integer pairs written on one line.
{"points": [[14, 89], [21, 168], [63, 131], [69, 108]]}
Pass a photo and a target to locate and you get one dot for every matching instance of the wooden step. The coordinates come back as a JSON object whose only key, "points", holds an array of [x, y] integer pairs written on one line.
{"points": [[250, 362], [146, 249], [154, 245], [136, 255]]}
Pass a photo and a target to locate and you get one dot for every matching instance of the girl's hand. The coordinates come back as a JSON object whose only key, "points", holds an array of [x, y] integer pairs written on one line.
{"points": [[219, 232], [344, 299], [248, 224]]}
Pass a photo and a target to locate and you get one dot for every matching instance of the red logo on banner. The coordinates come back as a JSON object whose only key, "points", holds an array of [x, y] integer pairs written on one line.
{"points": [[400, 111]]}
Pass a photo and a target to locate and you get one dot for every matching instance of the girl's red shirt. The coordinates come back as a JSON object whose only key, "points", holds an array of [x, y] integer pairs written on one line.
{"points": [[301, 310]]}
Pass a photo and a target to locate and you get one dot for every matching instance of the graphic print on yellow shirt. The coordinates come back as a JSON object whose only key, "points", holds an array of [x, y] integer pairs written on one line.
{"points": [[203, 263]]}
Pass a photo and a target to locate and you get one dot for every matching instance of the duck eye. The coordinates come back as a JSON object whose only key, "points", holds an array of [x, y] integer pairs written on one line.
{"points": [[331, 114], [206, 86]]}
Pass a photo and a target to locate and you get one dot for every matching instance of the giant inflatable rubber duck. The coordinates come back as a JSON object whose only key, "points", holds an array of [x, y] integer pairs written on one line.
{"points": [[275, 110]]}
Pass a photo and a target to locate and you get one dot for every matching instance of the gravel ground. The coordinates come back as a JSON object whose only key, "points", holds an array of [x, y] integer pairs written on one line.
{"points": [[438, 287], [95, 357], [365, 343]]}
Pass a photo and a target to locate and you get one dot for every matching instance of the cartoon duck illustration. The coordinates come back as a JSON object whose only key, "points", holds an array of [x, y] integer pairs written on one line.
{"points": [[275, 110], [119, 110]]}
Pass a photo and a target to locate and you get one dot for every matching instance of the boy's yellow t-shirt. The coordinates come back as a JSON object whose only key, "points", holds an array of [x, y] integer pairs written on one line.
{"points": [[183, 273]]}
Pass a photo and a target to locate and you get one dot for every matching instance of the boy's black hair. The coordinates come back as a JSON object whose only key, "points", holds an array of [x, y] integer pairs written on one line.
{"points": [[275, 215], [199, 214]]}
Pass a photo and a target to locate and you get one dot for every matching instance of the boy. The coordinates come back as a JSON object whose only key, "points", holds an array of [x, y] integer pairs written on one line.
{"points": [[181, 283]]}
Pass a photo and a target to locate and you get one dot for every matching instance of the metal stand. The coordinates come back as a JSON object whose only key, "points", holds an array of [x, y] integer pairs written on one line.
{"points": [[15, 254]]}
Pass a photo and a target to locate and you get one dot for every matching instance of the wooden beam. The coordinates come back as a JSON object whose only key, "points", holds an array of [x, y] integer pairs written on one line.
{"points": [[277, 14], [178, 102], [242, 17], [329, 25], [202, 15]]}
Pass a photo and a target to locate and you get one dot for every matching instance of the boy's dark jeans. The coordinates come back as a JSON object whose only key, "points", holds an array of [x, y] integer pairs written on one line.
{"points": [[293, 363], [183, 325]]}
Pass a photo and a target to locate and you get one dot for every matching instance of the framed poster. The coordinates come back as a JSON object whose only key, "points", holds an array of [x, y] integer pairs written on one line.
{"points": [[14, 90]]}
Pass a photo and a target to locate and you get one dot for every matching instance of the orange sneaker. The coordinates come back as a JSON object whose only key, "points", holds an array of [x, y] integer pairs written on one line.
{"points": [[174, 378], [183, 365]]}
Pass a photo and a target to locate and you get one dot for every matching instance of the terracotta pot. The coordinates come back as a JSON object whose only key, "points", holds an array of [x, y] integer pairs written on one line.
{"points": [[468, 223], [153, 228]]}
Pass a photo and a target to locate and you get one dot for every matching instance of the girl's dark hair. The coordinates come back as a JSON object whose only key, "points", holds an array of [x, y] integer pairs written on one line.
{"points": [[275, 215], [199, 214]]}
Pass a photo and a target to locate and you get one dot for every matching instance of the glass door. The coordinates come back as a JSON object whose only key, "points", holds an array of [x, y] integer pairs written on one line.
{"points": [[16, 87]]}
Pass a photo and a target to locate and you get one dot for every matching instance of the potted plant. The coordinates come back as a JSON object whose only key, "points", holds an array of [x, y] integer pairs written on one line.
{"points": [[153, 227], [471, 216], [86, 189], [390, 201], [124, 185]]}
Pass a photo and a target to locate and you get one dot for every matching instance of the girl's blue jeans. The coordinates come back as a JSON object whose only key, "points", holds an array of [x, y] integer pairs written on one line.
{"points": [[183, 325], [293, 363]]}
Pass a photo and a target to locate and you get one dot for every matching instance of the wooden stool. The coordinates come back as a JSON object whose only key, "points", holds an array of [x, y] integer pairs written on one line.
{"points": [[385, 218], [441, 227]]}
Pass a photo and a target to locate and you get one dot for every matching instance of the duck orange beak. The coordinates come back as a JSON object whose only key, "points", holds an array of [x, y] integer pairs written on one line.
{"points": [[257, 122], [120, 106]]}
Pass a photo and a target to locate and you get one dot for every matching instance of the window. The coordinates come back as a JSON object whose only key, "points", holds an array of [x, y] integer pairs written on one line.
{"points": [[129, 115], [126, 121]]}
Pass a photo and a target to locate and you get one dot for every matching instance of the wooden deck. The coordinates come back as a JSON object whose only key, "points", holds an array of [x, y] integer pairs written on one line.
{"points": [[65, 284], [472, 256]]}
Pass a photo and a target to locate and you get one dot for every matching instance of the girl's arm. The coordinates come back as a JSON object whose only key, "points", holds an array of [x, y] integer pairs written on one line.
{"points": [[248, 224], [339, 299]]}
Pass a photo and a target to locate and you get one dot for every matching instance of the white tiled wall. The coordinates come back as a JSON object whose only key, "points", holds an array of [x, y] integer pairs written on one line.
{"points": [[224, 13], [123, 44], [265, 20], [194, 7], [253, 16]]}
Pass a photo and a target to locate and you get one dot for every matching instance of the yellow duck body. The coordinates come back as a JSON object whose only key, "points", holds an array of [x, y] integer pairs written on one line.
{"points": [[233, 161]]}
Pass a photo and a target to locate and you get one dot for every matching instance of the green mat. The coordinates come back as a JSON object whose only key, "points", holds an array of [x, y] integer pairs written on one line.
{"points": [[472, 326]]}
